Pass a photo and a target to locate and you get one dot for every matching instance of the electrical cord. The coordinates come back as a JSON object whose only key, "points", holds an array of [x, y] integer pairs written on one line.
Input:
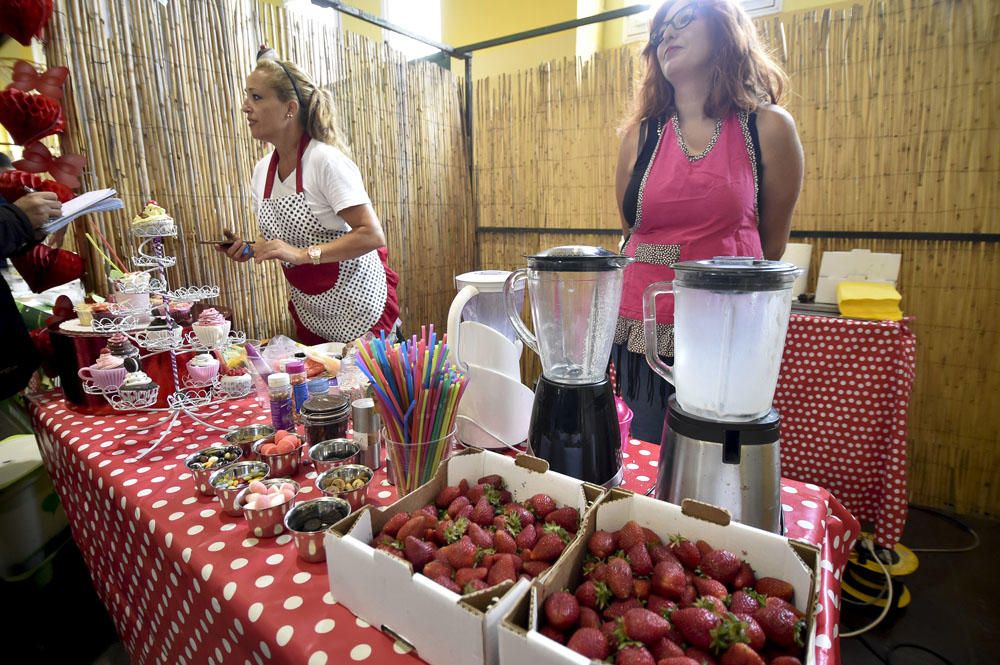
{"points": [[887, 658], [954, 520], [870, 546]]}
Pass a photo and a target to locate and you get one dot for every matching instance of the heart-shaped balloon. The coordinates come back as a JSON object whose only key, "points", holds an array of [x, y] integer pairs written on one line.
{"points": [[29, 117], [13, 186], [24, 19]]}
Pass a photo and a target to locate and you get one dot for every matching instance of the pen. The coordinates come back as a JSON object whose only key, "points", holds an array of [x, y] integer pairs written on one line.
{"points": [[29, 190]]}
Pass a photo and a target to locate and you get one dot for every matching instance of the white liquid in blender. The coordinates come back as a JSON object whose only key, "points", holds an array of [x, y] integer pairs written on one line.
{"points": [[727, 351]]}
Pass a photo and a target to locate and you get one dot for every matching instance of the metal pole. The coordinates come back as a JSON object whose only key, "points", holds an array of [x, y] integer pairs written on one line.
{"points": [[382, 23]]}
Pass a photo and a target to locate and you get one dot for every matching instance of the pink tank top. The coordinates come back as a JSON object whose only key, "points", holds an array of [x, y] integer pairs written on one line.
{"points": [[689, 208]]}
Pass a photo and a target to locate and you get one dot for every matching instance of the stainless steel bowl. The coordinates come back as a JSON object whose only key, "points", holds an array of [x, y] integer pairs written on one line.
{"points": [[283, 464], [348, 472], [332, 453], [245, 437], [230, 481], [267, 522], [308, 522], [202, 471]]}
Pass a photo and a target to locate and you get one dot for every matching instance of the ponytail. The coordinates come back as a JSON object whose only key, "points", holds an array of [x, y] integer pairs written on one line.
{"points": [[321, 119]]}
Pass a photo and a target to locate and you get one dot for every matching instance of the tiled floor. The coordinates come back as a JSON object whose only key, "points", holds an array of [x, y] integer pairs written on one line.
{"points": [[954, 609]]}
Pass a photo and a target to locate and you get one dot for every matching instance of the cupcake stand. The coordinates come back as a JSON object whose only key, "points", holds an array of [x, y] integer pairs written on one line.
{"points": [[198, 400]]}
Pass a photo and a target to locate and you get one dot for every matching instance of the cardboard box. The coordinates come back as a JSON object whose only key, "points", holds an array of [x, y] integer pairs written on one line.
{"points": [[857, 265], [770, 555], [443, 627]]}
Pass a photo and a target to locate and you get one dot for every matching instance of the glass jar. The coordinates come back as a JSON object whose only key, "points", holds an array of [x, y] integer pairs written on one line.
{"points": [[324, 416]]}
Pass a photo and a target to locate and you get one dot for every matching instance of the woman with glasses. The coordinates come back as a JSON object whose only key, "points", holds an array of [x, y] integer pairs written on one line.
{"points": [[709, 166], [314, 214]]}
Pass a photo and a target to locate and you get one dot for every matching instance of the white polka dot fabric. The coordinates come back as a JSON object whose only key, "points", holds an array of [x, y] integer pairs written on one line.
{"points": [[843, 395]]}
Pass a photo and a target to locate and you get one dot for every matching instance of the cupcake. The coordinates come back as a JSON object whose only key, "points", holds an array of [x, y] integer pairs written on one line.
{"points": [[203, 368], [137, 386], [159, 331], [85, 313], [153, 219], [133, 282], [211, 328], [119, 345], [101, 311], [180, 312], [235, 381], [107, 373]]}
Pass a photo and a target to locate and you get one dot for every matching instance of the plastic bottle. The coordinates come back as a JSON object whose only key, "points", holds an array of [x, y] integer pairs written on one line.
{"points": [[297, 375], [318, 386], [351, 380], [279, 388]]}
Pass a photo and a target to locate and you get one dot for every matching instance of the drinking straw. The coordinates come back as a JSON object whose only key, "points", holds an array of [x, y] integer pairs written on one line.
{"points": [[100, 235], [101, 252]]}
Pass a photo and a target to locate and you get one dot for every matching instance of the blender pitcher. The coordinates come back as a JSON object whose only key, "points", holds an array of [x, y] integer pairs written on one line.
{"points": [[730, 319], [575, 292]]}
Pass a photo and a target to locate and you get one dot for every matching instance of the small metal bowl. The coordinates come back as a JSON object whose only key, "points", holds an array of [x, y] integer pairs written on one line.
{"points": [[348, 472], [230, 481], [308, 522], [245, 437], [267, 522], [282, 464], [332, 453], [202, 468]]}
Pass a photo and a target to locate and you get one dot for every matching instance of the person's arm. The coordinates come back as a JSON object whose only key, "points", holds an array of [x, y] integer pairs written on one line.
{"points": [[365, 235], [627, 153], [20, 221], [783, 165]]}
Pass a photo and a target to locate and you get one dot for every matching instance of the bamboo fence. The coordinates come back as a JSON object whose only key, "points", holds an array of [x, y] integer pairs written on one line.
{"points": [[154, 103], [896, 104]]}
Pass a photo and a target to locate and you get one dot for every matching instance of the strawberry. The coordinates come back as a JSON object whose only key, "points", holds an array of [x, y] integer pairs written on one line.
{"points": [[666, 648], [455, 530], [541, 505], [786, 660], [501, 571], [709, 587], [618, 608], [465, 575], [745, 602], [589, 618], [527, 538], [678, 660], [660, 605], [553, 634], [703, 547], [755, 634], [396, 522], [651, 538], [780, 625], [430, 512], [535, 568], [712, 604], [644, 626], [477, 492], [699, 655], [502, 499], [634, 656], [464, 511], [778, 602], [640, 588], [437, 568], [773, 587], [463, 486], [483, 512], [696, 624], [562, 610], [745, 578], [492, 479], [619, 577], [474, 585], [447, 583], [590, 642], [598, 572], [638, 557], [418, 552], [480, 536], [524, 516], [568, 518], [662, 553], [447, 495], [455, 506], [721, 565], [391, 550], [548, 548], [630, 534], [504, 542], [384, 539], [668, 580], [601, 544], [741, 654], [609, 630], [593, 594], [461, 554], [500, 522], [688, 596], [685, 551]]}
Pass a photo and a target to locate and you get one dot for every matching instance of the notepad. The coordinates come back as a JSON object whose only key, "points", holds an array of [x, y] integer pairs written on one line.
{"points": [[99, 200]]}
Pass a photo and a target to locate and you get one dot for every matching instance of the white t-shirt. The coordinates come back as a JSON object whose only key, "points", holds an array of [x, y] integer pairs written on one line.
{"points": [[330, 182]]}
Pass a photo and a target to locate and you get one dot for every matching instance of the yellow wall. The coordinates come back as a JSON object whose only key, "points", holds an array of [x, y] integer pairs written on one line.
{"points": [[351, 24]]}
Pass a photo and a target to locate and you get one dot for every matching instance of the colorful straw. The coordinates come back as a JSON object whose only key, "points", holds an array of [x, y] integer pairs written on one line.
{"points": [[101, 252]]}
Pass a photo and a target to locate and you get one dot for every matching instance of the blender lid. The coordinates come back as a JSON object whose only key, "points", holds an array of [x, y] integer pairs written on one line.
{"points": [[577, 258], [763, 430], [736, 273], [486, 281]]}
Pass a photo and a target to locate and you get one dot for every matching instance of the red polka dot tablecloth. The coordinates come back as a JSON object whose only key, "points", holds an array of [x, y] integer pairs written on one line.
{"points": [[843, 395], [185, 584]]}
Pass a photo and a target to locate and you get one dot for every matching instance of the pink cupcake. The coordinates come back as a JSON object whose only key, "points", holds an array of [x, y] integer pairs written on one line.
{"points": [[211, 328], [203, 368]]}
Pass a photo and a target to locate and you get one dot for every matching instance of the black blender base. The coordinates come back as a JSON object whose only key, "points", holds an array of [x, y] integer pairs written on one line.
{"points": [[575, 429]]}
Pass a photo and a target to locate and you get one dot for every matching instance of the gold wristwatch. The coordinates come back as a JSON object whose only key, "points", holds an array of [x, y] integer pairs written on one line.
{"points": [[315, 252]]}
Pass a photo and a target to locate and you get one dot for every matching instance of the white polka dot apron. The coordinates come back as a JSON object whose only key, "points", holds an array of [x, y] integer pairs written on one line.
{"points": [[336, 301]]}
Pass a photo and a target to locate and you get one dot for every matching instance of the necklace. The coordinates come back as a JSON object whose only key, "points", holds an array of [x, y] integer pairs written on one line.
{"points": [[684, 148]]}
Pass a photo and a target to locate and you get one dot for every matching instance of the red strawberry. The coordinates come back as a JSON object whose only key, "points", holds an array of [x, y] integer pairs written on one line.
{"points": [[384, 539], [678, 660], [430, 512], [660, 605], [548, 548], [535, 568], [662, 553], [477, 492], [630, 534], [645, 626], [741, 654], [504, 543], [688, 596], [553, 634], [568, 518], [391, 550], [609, 630], [755, 634], [778, 602], [593, 594], [504, 498], [463, 486], [464, 511], [780, 625], [786, 660], [480, 536], [474, 586], [696, 624], [666, 648], [652, 539], [634, 656], [618, 608], [702, 657], [772, 586], [492, 479], [590, 642], [414, 527], [483, 512], [685, 551], [447, 583], [712, 604], [465, 575], [527, 538], [640, 588], [447, 495], [721, 565], [742, 602], [709, 587], [745, 578], [418, 552], [500, 522], [638, 557], [703, 547], [601, 544], [461, 554], [437, 568], [395, 523], [502, 570], [541, 505], [455, 506], [589, 618], [668, 580], [562, 610], [619, 577], [597, 573], [524, 516]]}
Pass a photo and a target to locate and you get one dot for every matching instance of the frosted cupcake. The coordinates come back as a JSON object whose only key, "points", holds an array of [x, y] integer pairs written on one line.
{"points": [[211, 328], [119, 345], [106, 373], [159, 331], [153, 218], [138, 387], [203, 368], [235, 381]]}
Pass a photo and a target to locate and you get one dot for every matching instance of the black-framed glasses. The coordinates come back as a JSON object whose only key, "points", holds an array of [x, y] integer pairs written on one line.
{"points": [[680, 20]]}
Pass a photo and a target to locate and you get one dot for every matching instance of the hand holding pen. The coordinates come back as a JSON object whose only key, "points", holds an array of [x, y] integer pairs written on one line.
{"points": [[39, 207]]}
